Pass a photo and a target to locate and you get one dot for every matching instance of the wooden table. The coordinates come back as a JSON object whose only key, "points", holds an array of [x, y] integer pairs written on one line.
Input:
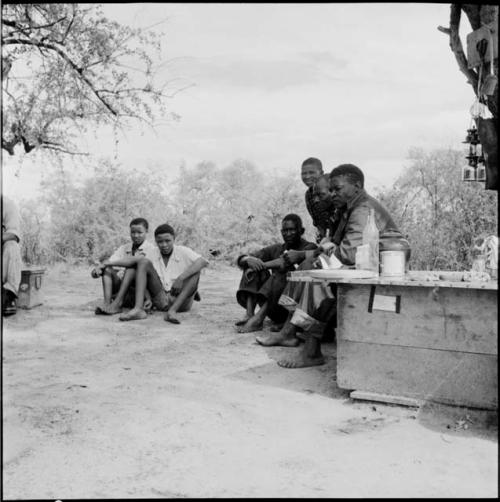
{"points": [[411, 340]]}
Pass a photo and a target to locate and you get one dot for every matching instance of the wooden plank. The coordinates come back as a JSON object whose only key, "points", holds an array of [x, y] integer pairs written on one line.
{"points": [[424, 374], [412, 281], [385, 398], [451, 319]]}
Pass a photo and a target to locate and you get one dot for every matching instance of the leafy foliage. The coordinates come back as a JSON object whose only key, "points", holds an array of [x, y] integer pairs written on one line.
{"points": [[66, 68], [224, 211], [440, 214]]}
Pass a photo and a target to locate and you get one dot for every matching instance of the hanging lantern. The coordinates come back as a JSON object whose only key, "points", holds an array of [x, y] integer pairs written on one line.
{"points": [[474, 170], [468, 173]]}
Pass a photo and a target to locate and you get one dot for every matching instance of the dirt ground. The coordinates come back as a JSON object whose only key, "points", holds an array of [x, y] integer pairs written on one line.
{"points": [[97, 408]]}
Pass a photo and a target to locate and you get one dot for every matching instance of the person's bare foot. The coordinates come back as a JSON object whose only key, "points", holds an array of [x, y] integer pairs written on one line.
{"points": [[286, 337], [301, 360], [309, 355], [253, 324], [242, 321], [170, 318], [276, 327], [277, 339], [134, 315], [110, 309]]}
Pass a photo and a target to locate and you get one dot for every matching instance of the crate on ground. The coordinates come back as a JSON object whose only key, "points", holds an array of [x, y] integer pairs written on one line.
{"points": [[30, 290]]}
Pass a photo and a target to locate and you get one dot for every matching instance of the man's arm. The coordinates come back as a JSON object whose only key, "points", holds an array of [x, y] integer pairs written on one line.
{"points": [[11, 221], [353, 235], [194, 268], [129, 262]]}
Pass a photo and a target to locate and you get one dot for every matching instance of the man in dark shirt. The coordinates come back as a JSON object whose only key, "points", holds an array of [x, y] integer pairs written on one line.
{"points": [[319, 209], [314, 304], [331, 214], [260, 287]]}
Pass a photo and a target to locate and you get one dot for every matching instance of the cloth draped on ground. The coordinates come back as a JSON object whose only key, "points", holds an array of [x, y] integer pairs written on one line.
{"points": [[11, 251], [314, 303], [266, 286]]}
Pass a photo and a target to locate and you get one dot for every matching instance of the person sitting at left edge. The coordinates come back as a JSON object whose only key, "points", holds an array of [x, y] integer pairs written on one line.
{"points": [[259, 286], [171, 276], [11, 256]]}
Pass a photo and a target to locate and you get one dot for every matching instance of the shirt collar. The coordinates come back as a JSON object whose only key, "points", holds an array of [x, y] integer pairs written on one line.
{"points": [[139, 248], [355, 198]]}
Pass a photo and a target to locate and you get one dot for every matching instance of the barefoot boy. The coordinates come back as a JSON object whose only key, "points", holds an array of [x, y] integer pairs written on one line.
{"points": [[171, 275], [117, 282]]}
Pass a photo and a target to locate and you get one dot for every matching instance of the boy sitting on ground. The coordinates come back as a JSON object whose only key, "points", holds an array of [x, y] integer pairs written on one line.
{"points": [[171, 275], [119, 282]]}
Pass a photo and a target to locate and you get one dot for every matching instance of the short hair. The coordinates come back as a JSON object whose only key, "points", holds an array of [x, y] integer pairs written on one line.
{"points": [[295, 218], [140, 221], [350, 171], [165, 228], [313, 161]]}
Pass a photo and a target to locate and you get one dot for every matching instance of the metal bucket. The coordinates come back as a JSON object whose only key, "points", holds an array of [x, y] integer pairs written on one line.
{"points": [[392, 263]]}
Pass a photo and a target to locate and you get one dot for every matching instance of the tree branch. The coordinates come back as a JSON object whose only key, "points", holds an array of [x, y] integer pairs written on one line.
{"points": [[63, 55], [456, 46]]}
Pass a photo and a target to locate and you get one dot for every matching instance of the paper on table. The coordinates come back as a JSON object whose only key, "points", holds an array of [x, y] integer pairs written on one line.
{"points": [[329, 262]]}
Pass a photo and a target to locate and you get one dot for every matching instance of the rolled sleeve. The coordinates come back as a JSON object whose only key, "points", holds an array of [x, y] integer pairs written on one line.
{"points": [[353, 236]]}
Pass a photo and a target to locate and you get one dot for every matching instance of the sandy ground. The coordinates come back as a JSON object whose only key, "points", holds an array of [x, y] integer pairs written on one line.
{"points": [[97, 408]]}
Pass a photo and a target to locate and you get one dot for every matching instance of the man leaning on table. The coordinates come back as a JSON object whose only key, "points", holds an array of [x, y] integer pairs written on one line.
{"points": [[312, 305]]}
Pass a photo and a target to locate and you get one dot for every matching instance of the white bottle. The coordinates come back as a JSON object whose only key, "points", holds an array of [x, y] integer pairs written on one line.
{"points": [[371, 238]]}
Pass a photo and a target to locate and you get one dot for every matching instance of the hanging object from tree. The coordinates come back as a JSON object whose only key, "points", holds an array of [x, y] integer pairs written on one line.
{"points": [[475, 169]]}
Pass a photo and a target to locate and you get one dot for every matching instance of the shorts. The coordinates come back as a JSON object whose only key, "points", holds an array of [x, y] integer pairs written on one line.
{"points": [[164, 299]]}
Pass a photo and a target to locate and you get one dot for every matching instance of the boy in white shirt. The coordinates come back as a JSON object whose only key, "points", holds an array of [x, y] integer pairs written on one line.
{"points": [[117, 283], [171, 275]]}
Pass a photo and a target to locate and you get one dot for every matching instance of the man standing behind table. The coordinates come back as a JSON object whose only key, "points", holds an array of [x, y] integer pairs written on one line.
{"points": [[319, 209], [11, 256], [170, 274], [260, 287], [314, 304]]}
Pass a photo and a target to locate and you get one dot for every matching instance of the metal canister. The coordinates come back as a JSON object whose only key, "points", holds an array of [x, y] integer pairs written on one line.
{"points": [[395, 253]]}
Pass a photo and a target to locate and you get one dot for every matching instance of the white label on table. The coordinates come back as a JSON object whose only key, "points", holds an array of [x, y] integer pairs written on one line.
{"points": [[384, 302]]}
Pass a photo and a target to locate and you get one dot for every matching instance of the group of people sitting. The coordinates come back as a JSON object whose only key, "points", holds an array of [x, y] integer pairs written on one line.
{"points": [[141, 276], [306, 311]]}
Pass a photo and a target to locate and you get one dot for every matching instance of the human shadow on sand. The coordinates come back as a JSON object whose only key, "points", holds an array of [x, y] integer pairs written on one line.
{"points": [[320, 380]]}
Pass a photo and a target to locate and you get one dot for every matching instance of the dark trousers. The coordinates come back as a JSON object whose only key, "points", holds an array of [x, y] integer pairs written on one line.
{"points": [[266, 287]]}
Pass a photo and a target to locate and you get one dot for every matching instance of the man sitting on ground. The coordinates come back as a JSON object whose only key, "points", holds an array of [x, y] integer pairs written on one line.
{"points": [[11, 256], [260, 287], [171, 275], [314, 304], [119, 282]]}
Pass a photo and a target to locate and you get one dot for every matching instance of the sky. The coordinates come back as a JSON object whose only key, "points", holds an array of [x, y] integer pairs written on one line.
{"points": [[273, 83]]}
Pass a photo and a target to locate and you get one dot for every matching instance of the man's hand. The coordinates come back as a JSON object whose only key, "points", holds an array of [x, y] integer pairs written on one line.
{"points": [[176, 286], [97, 271], [327, 246], [148, 302], [254, 263], [294, 256]]}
